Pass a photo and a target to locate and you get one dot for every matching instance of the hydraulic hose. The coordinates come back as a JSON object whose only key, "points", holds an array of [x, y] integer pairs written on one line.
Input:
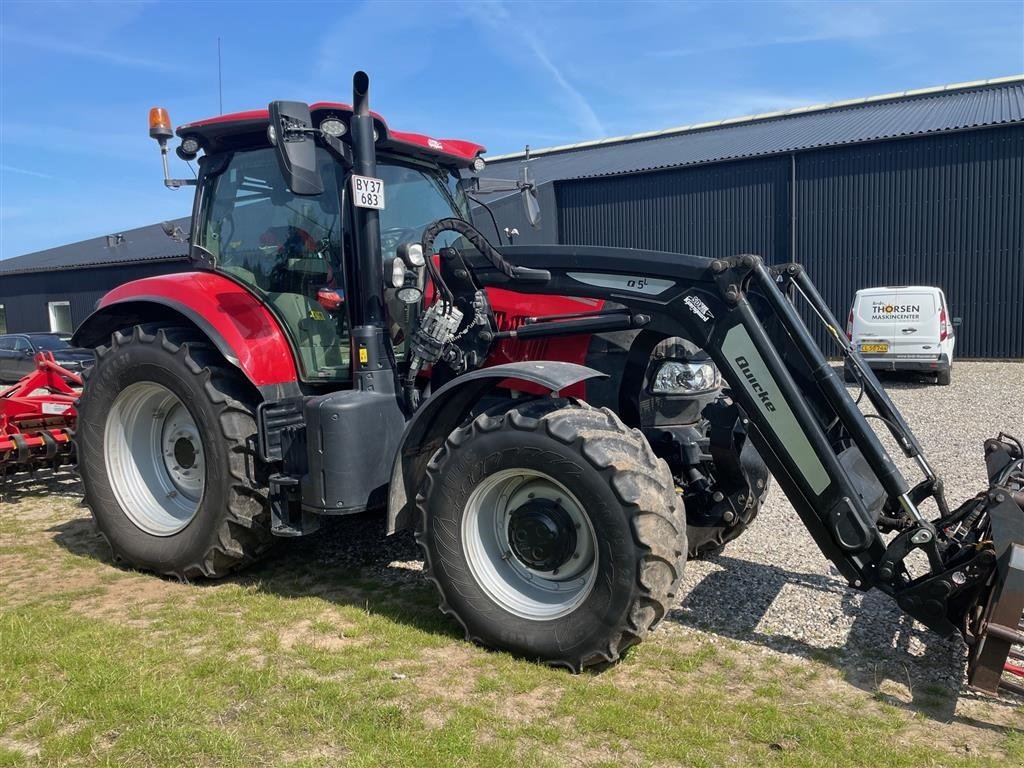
{"points": [[480, 242]]}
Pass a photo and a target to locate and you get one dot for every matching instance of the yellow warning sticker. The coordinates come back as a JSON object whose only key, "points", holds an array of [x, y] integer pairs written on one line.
{"points": [[364, 356]]}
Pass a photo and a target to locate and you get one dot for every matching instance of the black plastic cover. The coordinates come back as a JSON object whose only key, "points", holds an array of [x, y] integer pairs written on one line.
{"points": [[352, 438]]}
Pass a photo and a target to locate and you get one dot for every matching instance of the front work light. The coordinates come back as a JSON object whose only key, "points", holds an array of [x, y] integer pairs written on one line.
{"points": [[332, 126], [397, 273], [685, 377], [412, 255], [160, 124], [410, 292]]}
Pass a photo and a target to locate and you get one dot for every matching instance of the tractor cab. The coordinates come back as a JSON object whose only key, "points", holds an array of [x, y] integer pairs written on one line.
{"points": [[295, 251]]}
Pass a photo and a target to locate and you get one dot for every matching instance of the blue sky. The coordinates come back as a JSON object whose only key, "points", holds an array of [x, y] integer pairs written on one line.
{"points": [[77, 79]]}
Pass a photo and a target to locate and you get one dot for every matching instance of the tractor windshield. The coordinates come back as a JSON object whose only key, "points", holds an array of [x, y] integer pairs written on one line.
{"points": [[290, 249], [416, 196]]}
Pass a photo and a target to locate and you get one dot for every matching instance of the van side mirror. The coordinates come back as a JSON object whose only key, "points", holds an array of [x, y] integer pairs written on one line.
{"points": [[957, 322], [291, 133]]}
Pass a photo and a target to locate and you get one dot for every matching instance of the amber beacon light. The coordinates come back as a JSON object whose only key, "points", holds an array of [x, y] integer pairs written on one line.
{"points": [[160, 124]]}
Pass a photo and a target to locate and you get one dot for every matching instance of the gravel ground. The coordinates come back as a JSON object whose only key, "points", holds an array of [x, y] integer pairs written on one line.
{"points": [[772, 589]]}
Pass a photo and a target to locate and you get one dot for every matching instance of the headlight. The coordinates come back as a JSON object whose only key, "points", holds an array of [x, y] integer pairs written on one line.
{"points": [[677, 377]]}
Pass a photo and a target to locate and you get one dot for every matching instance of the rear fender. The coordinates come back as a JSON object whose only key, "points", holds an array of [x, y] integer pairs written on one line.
{"points": [[233, 319], [448, 408]]}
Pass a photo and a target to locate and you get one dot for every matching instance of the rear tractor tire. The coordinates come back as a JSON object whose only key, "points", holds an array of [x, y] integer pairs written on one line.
{"points": [[552, 531], [166, 447]]}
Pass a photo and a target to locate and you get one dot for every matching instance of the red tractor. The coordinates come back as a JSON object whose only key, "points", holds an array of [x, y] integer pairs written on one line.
{"points": [[542, 415]]}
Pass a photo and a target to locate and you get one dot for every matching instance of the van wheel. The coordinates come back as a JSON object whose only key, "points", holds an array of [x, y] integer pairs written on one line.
{"points": [[944, 377]]}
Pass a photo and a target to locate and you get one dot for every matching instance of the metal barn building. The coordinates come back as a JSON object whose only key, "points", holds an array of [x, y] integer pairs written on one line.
{"points": [[922, 187], [56, 289]]}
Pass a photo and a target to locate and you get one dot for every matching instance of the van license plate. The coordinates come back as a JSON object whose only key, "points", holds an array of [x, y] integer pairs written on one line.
{"points": [[874, 348], [367, 192]]}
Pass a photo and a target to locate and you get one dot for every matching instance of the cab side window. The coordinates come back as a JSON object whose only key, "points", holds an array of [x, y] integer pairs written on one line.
{"points": [[288, 248]]}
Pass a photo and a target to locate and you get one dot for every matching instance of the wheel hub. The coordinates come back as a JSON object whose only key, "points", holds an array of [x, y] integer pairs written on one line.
{"points": [[530, 544], [542, 534], [184, 453]]}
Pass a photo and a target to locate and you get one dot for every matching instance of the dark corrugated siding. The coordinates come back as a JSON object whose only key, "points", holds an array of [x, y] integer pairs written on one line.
{"points": [[716, 210], [25, 296], [944, 210]]}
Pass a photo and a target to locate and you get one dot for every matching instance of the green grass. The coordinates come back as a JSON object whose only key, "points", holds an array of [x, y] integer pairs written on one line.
{"points": [[300, 666]]}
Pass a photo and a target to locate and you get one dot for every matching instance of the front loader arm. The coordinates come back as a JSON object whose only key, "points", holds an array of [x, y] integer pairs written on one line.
{"points": [[830, 463]]}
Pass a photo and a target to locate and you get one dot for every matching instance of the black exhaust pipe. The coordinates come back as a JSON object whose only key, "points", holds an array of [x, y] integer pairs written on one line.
{"points": [[371, 359]]}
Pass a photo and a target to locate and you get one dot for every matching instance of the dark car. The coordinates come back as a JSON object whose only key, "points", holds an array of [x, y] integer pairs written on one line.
{"points": [[18, 352]]}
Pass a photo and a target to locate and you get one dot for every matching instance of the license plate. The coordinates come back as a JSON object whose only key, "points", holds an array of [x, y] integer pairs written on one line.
{"points": [[875, 348], [367, 192]]}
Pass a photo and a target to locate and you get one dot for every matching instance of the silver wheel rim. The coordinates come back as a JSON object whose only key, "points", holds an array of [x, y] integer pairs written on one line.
{"points": [[509, 581], [154, 457]]}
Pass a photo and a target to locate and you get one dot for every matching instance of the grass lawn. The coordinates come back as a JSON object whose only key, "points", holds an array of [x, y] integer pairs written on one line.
{"points": [[307, 662]]}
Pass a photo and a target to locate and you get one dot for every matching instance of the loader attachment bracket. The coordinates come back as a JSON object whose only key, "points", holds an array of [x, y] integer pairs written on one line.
{"points": [[995, 627]]}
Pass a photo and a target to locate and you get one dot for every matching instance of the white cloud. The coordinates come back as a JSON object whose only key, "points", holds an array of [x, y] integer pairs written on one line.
{"points": [[56, 45], [496, 17], [23, 171], [802, 22]]}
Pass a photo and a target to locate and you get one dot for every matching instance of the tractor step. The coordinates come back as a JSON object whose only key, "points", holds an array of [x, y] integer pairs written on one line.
{"points": [[287, 518]]}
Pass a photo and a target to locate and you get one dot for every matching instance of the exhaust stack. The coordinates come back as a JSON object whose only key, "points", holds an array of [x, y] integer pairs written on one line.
{"points": [[371, 363]]}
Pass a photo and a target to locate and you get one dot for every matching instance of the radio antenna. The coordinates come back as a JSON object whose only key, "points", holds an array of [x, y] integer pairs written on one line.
{"points": [[220, 82]]}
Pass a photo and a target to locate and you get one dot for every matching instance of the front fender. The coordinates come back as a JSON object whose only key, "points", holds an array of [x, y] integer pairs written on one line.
{"points": [[235, 321], [448, 408]]}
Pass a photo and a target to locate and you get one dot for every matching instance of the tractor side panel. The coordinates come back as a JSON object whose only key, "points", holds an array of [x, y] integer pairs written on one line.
{"points": [[510, 311], [243, 328]]}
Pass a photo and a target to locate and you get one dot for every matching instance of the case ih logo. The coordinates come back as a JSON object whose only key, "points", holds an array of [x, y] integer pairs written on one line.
{"points": [[881, 310], [755, 385]]}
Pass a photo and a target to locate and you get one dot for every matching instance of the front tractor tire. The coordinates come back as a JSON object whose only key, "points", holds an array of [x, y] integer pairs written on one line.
{"points": [[552, 531], [166, 437]]}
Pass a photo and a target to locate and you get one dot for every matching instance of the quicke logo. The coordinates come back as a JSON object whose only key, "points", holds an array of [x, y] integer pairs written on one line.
{"points": [[755, 385]]}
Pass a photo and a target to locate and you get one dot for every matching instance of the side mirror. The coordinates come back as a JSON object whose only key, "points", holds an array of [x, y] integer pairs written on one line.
{"points": [[291, 133], [957, 322]]}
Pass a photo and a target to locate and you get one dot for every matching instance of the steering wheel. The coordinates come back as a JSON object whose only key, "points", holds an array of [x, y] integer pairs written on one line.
{"points": [[392, 237]]}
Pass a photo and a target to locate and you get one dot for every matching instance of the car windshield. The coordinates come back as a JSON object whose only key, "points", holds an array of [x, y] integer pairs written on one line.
{"points": [[49, 343]]}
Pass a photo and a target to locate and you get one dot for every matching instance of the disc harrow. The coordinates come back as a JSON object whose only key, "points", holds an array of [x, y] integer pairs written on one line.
{"points": [[37, 418]]}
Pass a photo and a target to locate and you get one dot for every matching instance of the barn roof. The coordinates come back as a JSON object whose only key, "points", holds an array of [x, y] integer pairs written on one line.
{"points": [[144, 244], [960, 106]]}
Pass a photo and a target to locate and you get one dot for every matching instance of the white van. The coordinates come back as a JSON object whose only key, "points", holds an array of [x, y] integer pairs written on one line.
{"points": [[903, 328]]}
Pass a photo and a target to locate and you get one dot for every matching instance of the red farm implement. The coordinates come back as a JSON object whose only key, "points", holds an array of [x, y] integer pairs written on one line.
{"points": [[37, 418]]}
